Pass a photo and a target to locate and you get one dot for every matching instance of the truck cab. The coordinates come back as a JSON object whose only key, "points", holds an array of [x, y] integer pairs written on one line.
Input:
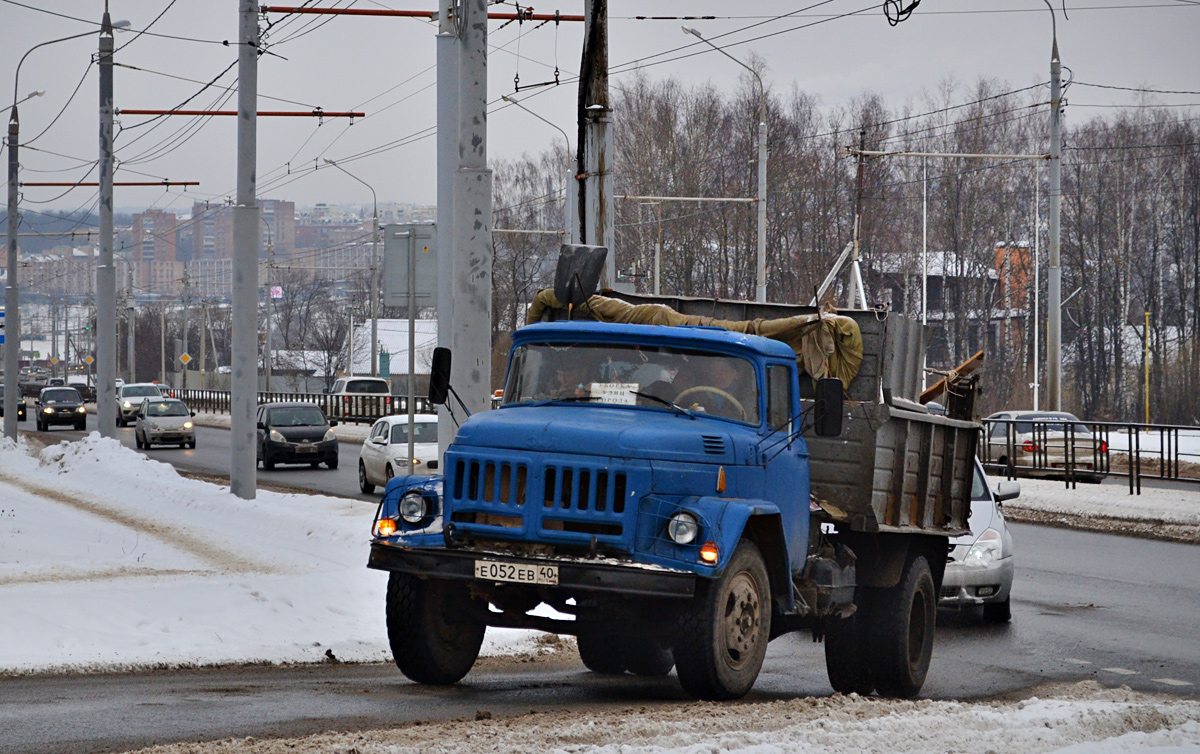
{"points": [[654, 484]]}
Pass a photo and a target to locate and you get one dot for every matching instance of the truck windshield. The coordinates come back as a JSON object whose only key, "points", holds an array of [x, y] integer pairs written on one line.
{"points": [[610, 373]]}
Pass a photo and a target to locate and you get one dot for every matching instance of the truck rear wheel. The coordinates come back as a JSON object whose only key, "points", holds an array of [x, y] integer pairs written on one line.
{"points": [[902, 641], [721, 635], [601, 653], [848, 650], [648, 657], [434, 627]]}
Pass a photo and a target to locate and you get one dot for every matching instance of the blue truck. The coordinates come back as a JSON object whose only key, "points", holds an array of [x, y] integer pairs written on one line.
{"points": [[681, 495]]}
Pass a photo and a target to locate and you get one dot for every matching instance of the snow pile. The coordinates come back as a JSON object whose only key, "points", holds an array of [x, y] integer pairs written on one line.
{"points": [[111, 560], [1080, 718], [1181, 506]]}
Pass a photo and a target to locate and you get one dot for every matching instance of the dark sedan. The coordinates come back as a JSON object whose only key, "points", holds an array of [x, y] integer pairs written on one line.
{"points": [[60, 405], [20, 404], [295, 433]]}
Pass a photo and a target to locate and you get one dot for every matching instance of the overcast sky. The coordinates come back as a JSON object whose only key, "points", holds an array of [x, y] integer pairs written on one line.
{"points": [[385, 67]]}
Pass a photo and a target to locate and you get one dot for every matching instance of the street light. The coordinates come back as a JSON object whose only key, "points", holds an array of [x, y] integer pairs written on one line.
{"points": [[374, 277], [761, 292], [12, 299]]}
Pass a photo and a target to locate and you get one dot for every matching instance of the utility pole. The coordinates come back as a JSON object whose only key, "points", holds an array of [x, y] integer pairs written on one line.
{"points": [[1054, 279], [12, 308], [162, 344], [131, 357], [106, 279], [244, 382], [375, 294], [595, 151], [464, 204], [183, 385], [856, 283], [267, 366], [203, 343]]}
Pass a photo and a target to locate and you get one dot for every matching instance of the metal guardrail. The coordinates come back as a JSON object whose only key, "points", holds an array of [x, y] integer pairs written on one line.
{"points": [[359, 409], [1084, 450]]}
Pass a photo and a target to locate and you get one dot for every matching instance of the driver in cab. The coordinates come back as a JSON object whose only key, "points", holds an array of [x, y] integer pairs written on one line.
{"points": [[724, 387]]}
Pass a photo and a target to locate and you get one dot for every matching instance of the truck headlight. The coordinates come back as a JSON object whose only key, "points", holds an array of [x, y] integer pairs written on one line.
{"points": [[683, 528], [413, 507], [986, 550]]}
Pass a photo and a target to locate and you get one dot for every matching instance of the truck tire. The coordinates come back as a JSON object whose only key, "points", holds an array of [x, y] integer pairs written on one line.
{"points": [[648, 657], [848, 650], [721, 634], [601, 653], [998, 612], [902, 624], [434, 628]]}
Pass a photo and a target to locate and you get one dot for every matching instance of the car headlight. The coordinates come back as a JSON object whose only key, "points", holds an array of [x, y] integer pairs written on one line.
{"points": [[276, 437], [81, 410], [413, 507], [683, 528], [152, 426], [404, 461], [187, 425], [47, 410], [127, 404], [329, 435], [986, 550]]}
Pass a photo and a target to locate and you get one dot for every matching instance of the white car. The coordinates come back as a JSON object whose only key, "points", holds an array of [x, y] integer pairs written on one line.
{"points": [[129, 400], [164, 422], [979, 568], [384, 454]]}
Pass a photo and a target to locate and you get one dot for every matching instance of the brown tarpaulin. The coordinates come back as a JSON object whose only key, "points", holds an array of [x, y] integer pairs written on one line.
{"points": [[826, 345]]}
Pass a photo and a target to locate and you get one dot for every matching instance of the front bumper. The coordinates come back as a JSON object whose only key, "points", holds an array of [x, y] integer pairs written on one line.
{"points": [[61, 417], [962, 586], [574, 575], [170, 435], [296, 452]]}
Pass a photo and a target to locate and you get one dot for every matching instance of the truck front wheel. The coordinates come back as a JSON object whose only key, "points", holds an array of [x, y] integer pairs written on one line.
{"points": [[434, 627], [721, 635], [903, 622], [848, 650]]}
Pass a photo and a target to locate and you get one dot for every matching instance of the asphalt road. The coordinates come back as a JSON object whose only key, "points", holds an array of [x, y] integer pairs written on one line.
{"points": [[212, 454], [1115, 609]]}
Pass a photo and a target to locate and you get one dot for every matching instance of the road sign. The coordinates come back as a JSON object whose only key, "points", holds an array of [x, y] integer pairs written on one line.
{"points": [[396, 247], [185, 359], [54, 360], [277, 291], [89, 359]]}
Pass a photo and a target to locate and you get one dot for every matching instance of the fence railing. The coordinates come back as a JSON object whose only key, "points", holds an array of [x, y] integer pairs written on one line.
{"points": [[1086, 450], [359, 409]]}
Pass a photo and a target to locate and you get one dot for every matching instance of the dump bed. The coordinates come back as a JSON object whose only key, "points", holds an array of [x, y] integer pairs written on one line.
{"points": [[895, 467]]}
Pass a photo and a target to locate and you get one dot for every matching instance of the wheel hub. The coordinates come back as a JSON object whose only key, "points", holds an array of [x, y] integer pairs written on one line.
{"points": [[742, 619]]}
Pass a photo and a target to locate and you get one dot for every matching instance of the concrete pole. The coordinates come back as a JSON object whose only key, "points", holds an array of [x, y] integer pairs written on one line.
{"points": [[106, 273], [184, 367], [375, 293], [244, 363], [131, 313], [925, 264], [1037, 291], [412, 347], [1054, 279], [464, 206], [268, 367], [162, 344], [12, 311], [595, 138], [658, 254], [203, 343], [761, 293]]}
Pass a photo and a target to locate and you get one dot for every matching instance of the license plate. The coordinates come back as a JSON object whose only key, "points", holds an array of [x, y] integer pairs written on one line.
{"points": [[491, 570], [306, 449]]}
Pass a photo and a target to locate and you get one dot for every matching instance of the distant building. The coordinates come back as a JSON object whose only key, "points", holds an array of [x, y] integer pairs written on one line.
{"points": [[156, 264]]}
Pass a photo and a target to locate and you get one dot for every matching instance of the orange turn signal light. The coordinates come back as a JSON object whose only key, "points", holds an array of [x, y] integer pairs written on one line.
{"points": [[709, 553], [720, 479], [385, 527]]}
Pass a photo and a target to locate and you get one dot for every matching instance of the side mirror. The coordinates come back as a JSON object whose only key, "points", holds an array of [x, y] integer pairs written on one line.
{"points": [[332, 423], [193, 413], [1008, 490], [829, 402], [262, 425], [439, 377]]}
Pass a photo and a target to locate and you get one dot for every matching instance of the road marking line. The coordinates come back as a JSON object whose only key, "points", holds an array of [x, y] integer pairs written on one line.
{"points": [[1073, 661], [1120, 671], [1171, 681]]}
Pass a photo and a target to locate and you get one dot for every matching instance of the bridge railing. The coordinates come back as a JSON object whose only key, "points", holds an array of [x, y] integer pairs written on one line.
{"points": [[357, 409]]}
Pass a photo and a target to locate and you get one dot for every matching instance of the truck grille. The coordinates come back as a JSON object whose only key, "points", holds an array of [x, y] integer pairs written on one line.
{"points": [[558, 500]]}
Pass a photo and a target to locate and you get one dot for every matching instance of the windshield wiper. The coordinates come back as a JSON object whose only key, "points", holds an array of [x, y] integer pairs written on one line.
{"points": [[663, 401]]}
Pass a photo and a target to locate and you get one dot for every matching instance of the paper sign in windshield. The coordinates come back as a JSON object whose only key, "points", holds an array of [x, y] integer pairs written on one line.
{"points": [[620, 393]]}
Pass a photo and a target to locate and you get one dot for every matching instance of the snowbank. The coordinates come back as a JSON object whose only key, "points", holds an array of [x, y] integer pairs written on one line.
{"points": [[1073, 719], [1180, 506], [110, 560]]}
